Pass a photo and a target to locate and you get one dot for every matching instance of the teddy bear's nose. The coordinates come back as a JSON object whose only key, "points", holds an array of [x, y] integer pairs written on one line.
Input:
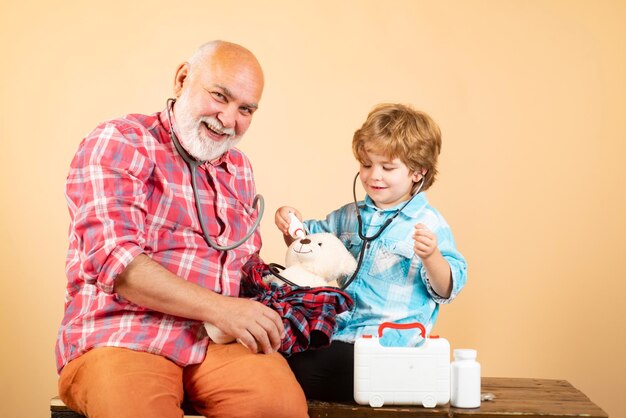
{"points": [[305, 241]]}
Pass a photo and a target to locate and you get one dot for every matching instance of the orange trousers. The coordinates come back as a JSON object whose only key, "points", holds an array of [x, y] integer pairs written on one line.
{"points": [[115, 382]]}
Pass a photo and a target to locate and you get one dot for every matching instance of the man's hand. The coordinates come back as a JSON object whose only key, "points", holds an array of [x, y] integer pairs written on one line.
{"points": [[254, 325], [147, 283]]}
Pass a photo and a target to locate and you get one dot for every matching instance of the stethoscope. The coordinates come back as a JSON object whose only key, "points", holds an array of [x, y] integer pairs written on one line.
{"points": [[193, 164], [276, 269], [367, 239]]}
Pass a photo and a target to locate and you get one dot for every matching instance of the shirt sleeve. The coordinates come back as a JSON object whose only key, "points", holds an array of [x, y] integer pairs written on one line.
{"points": [[336, 222], [458, 265], [107, 194]]}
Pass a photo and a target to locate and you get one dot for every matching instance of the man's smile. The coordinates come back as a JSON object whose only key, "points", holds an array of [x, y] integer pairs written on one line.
{"points": [[215, 133]]}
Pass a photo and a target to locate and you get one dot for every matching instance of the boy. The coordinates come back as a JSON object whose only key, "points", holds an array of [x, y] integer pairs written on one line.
{"points": [[410, 263]]}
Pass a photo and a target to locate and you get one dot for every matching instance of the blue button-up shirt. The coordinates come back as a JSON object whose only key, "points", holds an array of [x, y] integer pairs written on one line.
{"points": [[392, 284]]}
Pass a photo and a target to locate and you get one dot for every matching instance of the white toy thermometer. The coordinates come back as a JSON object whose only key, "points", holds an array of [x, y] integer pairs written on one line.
{"points": [[296, 229]]}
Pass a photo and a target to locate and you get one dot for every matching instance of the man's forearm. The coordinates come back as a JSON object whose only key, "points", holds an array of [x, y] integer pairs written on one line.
{"points": [[146, 283]]}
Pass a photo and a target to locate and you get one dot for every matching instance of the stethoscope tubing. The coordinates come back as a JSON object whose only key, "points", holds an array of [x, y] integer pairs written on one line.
{"points": [[193, 164], [367, 239]]}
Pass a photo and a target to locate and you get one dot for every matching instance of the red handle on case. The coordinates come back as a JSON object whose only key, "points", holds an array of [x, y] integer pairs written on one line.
{"points": [[393, 325]]}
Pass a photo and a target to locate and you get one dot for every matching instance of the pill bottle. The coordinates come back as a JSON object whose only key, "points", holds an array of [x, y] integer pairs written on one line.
{"points": [[465, 379]]}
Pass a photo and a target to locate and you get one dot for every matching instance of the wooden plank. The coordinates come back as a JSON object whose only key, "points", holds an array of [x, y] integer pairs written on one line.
{"points": [[532, 398], [529, 398], [318, 409]]}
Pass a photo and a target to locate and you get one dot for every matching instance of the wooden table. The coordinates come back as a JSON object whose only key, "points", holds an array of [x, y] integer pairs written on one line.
{"points": [[525, 398]]}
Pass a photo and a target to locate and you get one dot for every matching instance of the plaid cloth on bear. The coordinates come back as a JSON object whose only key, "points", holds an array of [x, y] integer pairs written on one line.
{"points": [[308, 313]]}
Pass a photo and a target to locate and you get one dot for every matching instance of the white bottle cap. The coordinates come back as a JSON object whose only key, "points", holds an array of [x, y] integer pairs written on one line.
{"points": [[465, 354]]}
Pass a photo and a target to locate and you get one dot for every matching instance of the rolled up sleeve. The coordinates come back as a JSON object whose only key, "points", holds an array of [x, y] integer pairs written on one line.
{"points": [[107, 197], [458, 267]]}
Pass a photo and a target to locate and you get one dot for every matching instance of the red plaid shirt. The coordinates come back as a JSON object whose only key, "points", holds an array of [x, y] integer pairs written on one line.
{"points": [[129, 192]]}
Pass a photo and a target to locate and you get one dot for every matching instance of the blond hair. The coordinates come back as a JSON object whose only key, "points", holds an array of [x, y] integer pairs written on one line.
{"points": [[399, 131]]}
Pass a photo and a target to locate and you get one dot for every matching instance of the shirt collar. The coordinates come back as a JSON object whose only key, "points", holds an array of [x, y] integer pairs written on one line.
{"points": [[164, 121], [410, 211], [225, 161]]}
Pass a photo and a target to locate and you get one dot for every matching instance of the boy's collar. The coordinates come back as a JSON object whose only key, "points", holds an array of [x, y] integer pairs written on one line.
{"points": [[410, 211]]}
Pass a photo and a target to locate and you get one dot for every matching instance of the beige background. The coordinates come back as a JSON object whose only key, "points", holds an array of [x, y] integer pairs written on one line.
{"points": [[530, 96]]}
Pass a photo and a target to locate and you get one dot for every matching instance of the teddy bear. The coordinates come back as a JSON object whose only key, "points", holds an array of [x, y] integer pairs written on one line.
{"points": [[317, 260]]}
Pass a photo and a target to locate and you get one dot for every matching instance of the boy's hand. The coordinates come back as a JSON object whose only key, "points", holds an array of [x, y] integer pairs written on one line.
{"points": [[282, 218], [425, 241]]}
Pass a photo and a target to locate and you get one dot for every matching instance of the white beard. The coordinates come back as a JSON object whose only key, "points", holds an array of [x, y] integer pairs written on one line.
{"points": [[194, 142]]}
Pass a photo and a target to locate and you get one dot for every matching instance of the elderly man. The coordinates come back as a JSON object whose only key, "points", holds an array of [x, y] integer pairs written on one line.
{"points": [[142, 278]]}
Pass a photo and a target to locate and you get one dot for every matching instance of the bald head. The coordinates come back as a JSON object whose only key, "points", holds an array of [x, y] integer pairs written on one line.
{"points": [[228, 49], [226, 53]]}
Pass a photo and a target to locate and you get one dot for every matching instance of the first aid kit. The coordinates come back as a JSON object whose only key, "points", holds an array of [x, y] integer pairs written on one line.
{"points": [[401, 375]]}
